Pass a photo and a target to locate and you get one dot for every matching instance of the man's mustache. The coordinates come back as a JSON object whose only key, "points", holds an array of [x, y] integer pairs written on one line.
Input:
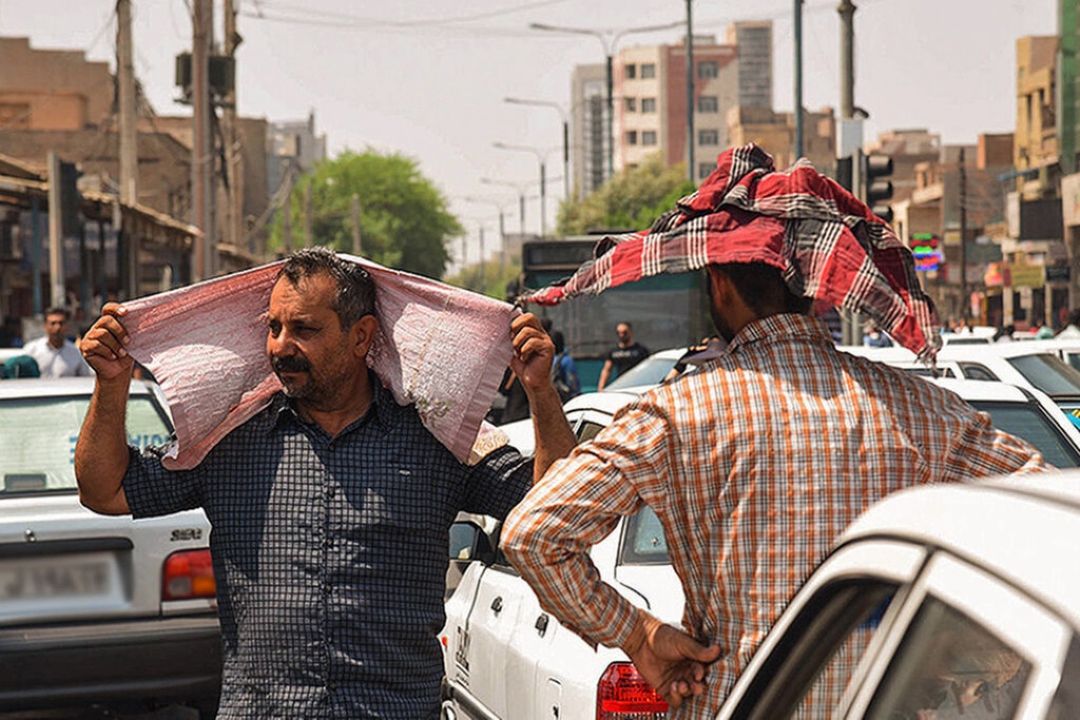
{"points": [[290, 364]]}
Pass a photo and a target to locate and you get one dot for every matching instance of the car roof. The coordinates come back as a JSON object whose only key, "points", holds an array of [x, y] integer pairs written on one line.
{"points": [[606, 401], [981, 390], [669, 354], [985, 521], [995, 350], [53, 387]]}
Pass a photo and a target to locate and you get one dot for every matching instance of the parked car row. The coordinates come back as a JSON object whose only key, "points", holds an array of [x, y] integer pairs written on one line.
{"points": [[95, 609], [507, 658]]}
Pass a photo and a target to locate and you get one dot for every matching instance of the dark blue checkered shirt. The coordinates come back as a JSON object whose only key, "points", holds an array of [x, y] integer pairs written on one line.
{"points": [[330, 556]]}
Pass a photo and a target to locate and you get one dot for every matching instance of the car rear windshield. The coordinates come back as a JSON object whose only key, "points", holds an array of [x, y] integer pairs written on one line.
{"points": [[649, 371], [1029, 422], [1048, 373], [38, 435]]}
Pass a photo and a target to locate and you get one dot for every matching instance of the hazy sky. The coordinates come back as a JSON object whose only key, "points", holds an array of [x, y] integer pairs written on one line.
{"points": [[427, 78]]}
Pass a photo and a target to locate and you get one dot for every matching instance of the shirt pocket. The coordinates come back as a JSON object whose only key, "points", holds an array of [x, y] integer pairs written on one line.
{"points": [[402, 497]]}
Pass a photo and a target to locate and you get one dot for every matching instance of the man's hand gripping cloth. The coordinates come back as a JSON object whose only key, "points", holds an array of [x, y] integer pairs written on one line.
{"points": [[440, 348], [827, 243]]}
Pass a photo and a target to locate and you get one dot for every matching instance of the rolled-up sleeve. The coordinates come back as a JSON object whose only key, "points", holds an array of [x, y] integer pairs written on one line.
{"points": [[576, 505], [152, 490]]}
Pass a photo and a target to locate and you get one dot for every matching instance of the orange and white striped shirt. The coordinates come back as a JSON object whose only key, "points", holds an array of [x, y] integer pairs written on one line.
{"points": [[754, 464]]}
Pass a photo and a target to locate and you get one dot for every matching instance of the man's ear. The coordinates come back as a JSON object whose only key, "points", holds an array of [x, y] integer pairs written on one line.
{"points": [[720, 285], [362, 334]]}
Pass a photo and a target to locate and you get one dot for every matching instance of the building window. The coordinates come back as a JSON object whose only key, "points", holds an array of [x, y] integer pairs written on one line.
{"points": [[631, 137], [630, 104], [708, 104], [705, 169], [630, 71], [648, 70], [648, 105], [648, 137], [708, 137], [708, 69]]}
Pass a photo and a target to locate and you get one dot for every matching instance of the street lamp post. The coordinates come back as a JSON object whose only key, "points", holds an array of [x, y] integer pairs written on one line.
{"points": [[501, 207], [565, 134], [541, 157], [608, 40]]}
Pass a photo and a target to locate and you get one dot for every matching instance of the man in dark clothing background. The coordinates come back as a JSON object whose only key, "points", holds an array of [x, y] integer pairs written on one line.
{"points": [[626, 355]]}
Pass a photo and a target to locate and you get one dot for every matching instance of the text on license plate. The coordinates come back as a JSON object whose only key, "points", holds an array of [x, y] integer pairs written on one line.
{"points": [[55, 578]]}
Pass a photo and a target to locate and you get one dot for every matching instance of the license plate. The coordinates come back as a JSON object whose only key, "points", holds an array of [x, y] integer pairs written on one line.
{"points": [[62, 577]]}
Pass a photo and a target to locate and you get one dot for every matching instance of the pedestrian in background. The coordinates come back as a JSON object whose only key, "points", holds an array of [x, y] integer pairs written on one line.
{"points": [[56, 356], [626, 355], [564, 369], [874, 337]]}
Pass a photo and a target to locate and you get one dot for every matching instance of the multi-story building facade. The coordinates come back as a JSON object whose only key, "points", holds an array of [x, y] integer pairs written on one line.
{"points": [[588, 132], [650, 84], [775, 132], [753, 41], [292, 144]]}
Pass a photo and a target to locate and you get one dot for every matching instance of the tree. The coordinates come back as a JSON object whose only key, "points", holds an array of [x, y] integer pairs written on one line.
{"points": [[492, 282], [404, 220], [630, 200]]}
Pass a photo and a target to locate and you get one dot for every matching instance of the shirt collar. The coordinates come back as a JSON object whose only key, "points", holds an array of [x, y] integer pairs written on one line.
{"points": [[782, 327], [385, 407]]}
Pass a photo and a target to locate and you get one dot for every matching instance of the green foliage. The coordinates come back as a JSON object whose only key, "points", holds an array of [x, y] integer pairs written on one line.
{"points": [[404, 219], [492, 282], [631, 200]]}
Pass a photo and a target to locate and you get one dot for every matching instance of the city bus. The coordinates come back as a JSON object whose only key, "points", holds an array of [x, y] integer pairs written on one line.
{"points": [[665, 311]]}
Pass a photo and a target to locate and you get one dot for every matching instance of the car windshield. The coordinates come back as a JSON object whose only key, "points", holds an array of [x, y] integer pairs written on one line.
{"points": [[37, 442], [1048, 373], [649, 371], [1030, 423]]}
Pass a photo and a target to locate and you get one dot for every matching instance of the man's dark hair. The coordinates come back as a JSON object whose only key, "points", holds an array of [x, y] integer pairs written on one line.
{"points": [[558, 341], [1074, 318], [628, 325], [58, 311], [762, 288], [355, 289]]}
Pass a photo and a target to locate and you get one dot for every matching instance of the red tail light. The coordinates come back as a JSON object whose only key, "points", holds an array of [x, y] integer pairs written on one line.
{"points": [[624, 695], [187, 575]]}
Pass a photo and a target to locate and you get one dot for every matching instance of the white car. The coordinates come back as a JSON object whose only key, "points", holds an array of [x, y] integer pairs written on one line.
{"points": [[1029, 365], [955, 602], [506, 658], [95, 609]]}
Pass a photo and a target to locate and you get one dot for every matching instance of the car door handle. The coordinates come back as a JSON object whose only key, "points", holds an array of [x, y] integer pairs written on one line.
{"points": [[496, 605], [542, 624]]}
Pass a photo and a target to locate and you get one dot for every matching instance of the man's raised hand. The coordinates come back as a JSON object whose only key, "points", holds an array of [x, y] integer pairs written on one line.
{"points": [[103, 346]]}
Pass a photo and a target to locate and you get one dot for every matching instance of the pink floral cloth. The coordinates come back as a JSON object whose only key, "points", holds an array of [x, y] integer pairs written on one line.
{"points": [[440, 348]]}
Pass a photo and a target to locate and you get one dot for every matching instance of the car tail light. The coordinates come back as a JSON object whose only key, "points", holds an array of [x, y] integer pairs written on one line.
{"points": [[187, 575], [624, 695]]}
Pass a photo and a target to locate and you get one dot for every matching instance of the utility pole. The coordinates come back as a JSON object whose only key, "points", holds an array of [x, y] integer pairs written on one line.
{"points": [[309, 233], [125, 75], [610, 100], [286, 213], [543, 198], [354, 207], [690, 164], [965, 301], [234, 215], [846, 166], [57, 296], [798, 80], [483, 265], [202, 161], [847, 58], [502, 243]]}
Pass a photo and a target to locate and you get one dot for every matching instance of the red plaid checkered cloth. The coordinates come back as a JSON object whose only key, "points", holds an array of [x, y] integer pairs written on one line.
{"points": [[828, 244]]}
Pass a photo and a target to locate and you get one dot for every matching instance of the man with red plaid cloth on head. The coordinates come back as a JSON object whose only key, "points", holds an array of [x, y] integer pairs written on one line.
{"points": [[757, 460]]}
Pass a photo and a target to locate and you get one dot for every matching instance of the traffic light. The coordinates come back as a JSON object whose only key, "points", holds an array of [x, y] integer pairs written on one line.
{"points": [[877, 188]]}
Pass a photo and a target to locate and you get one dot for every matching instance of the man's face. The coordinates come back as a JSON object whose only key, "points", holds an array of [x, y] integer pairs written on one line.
{"points": [[309, 351], [625, 335], [54, 328]]}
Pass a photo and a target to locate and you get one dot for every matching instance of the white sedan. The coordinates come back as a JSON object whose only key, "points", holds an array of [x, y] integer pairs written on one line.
{"points": [[95, 609], [507, 658]]}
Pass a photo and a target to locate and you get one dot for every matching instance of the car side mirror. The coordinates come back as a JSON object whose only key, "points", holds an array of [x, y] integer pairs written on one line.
{"points": [[469, 542]]}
